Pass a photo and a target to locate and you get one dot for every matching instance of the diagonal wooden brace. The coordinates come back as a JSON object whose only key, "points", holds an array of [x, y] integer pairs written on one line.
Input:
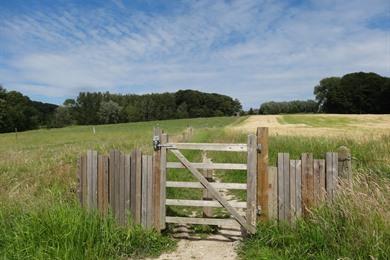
{"points": [[213, 191]]}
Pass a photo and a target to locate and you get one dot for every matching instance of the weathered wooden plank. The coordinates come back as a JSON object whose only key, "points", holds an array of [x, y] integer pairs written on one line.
{"points": [[150, 197], [262, 172], [203, 203], [122, 217], [163, 172], [79, 185], [127, 185], [213, 191], [203, 221], [251, 195], [281, 191], [293, 202], [272, 192], [89, 179], [298, 188], [144, 203], [286, 182], [316, 180], [100, 183], [209, 147], [331, 173], [105, 191], [111, 181], [322, 180], [133, 183], [216, 185], [94, 179], [345, 164], [84, 181], [138, 188], [308, 181], [157, 182], [117, 184], [209, 166]]}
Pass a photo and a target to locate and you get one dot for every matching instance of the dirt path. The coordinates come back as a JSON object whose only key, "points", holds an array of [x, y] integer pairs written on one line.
{"points": [[219, 246]]}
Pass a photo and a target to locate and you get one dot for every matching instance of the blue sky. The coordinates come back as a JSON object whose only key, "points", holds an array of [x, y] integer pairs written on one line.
{"points": [[252, 50]]}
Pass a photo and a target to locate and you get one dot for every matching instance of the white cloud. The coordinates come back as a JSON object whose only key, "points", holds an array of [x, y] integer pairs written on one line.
{"points": [[252, 50]]}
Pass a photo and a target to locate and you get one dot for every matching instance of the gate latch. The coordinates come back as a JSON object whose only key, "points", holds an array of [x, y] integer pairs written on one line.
{"points": [[156, 142]]}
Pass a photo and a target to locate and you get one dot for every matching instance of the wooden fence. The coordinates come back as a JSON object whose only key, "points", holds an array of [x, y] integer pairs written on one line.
{"points": [[121, 182], [132, 186], [295, 186]]}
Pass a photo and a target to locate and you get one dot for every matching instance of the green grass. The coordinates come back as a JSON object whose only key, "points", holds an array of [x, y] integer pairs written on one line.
{"points": [[40, 217], [39, 213], [316, 120]]}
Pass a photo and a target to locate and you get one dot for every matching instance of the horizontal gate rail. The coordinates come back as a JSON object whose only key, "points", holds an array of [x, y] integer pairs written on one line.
{"points": [[209, 166], [203, 203], [216, 185], [202, 221], [208, 147]]}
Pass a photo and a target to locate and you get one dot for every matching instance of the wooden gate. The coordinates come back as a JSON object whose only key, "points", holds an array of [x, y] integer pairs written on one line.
{"points": [[162, 147]]}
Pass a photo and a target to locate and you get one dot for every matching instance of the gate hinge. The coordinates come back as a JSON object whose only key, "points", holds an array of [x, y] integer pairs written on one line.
{"points": [[259, 148]]}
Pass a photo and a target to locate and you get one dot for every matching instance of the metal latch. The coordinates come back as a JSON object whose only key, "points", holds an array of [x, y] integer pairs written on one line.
{"points": [[156, 142]]}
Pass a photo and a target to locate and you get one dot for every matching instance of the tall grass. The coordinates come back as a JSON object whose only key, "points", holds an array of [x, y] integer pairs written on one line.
{"points": [[354, 226], [65, 231]]}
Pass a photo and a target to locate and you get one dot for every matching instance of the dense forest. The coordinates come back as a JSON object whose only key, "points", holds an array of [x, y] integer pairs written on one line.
{"points": [[19, 112], [354, 93]]}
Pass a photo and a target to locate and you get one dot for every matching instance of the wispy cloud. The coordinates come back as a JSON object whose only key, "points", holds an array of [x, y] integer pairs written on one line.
{"points": [[253, 50]]}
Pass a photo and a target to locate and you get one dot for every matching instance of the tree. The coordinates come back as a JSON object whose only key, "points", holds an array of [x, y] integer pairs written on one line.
{"points": [[109, 112], [62, 117]]}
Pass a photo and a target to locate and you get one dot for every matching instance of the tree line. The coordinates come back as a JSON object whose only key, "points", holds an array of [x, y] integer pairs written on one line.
{"points": [[91, 108], [353, 93]]}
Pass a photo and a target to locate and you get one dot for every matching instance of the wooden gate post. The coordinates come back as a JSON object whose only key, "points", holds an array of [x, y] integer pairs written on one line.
{"points": [[345, 164], [208, 174], [262, 173], [157, 180]]}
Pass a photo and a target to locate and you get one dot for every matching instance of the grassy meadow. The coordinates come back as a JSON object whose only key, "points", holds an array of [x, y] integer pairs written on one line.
{"points": [[40, 217]]}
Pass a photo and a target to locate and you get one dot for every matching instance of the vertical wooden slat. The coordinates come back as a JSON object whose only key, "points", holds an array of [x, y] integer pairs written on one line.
{"points": [[293, 202], [133, 176], [262, 172], [105, 191], [144, 203], [281, 191], [111, 181], [127, 185], [322, 179], [121, 192], [345, 164], [89, 179], [150, 204], [117, 185], [316, 180], [84, 181], [163, 172], [272, 192], [298, 188], [138, 194], [335, 172], [94, 179], [329, 175], [79, 185], [100, 183], [251, 181], [157, 182], [286, 176], [307, 182]]}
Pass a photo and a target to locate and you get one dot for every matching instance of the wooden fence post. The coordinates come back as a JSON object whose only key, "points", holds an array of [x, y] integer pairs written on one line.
{"points": [[272, 192], [307, 182], [251, 194], [262, 173], [163, 179], [157, 181], [283, 186], [345, 164]]}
